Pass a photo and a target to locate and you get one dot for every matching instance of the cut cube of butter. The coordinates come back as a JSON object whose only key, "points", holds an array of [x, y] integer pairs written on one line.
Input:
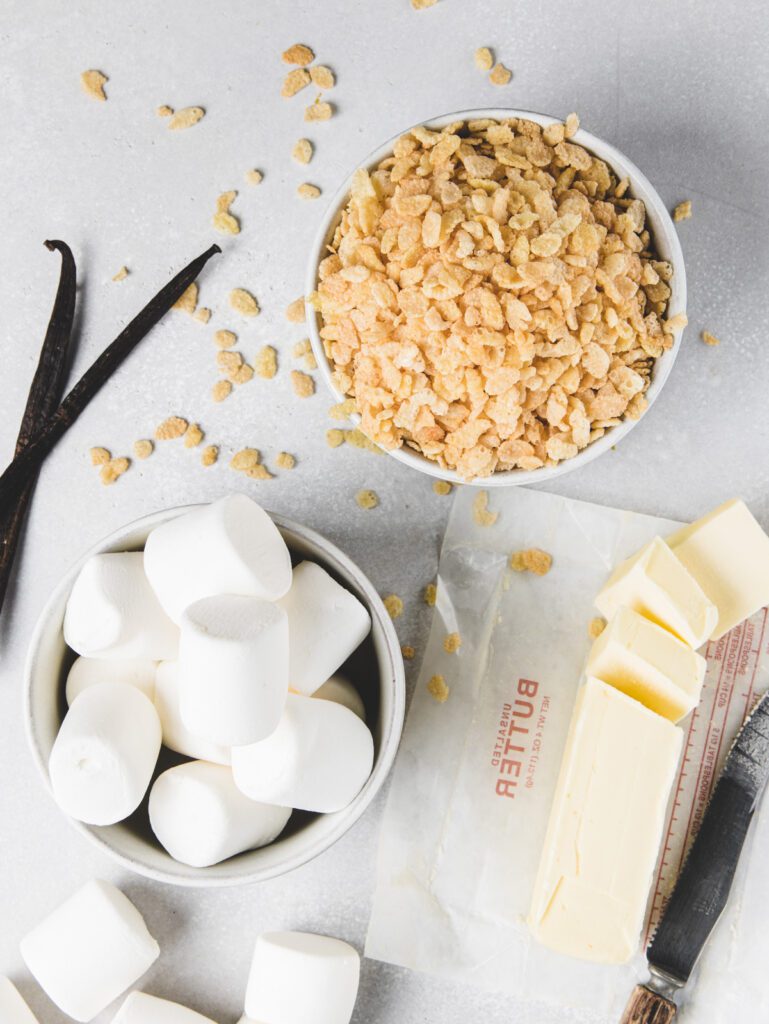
{"points": [[727, 552], [649, 664], [655, 583], [605, 827]]}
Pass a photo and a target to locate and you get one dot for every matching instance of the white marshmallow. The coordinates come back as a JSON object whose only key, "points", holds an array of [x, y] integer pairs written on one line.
{"points": [[140, 1008], [229, 547], [201, 817], [112, 611], [103, 758], [176, 736], [138, 672], [297, 977], [89, 950], [233, 668], [325, 625], [317, 759], [13, 1009], [341, 691]]}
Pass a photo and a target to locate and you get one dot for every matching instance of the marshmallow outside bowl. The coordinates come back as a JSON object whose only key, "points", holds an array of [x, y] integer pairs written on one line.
{"points": [[376, 668]]}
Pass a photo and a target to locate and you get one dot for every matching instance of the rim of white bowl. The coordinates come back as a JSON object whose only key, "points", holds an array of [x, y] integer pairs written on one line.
{"points": [[665, 237], [345, 819]]}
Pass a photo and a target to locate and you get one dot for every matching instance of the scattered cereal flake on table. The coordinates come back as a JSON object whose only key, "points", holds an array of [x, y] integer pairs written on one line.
{"points": [[93, 83], [394, 606], [285, 460], [481, 513], [259, 472], [452, 642], [228, 361], [113, 470], [243, 302], [710, 339], [225, 339], [595, 627], [245, 459], [531, 560], [500, 75], [302, 383], [308, 191], [571, 125], [164, 110], [358, 439], [266, 362], [484, 58], [683, 211], [254, 177], [342, 410], [334, 437], [367, 499], [209, 455], [430, 595], [121, 275], [295, 311], [442, 487], [302, 151], [186, 118], [242, 375], [193, 435], [188, 300], [310, 362], [299, 54], [171, 428], [319, 110], [322, 76], [143, 448], [408, 651], [202, 314], [301, 348], [294, 82], [422, 5], [223, 220], [438, 689], [221, 390], [100, 456]]}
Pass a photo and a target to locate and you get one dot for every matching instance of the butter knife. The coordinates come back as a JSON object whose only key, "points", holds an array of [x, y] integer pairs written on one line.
{"points": [[702, 889]]}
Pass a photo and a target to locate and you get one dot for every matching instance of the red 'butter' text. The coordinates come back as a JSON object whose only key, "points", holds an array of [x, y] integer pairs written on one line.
{"points": [[513, 738]]}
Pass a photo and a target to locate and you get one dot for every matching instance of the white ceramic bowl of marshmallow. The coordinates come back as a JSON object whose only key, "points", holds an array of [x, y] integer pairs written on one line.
{"points": [[214, 694]]}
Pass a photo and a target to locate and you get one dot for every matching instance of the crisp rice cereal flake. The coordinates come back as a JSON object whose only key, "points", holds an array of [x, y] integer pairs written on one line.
{"points": [[93, 83], [143, 448], [310, 362], [342, 410], [301, 348], [221, 390], [430, 595], [121, 275], [171, 428], [319, 110], [193, 435], [484, 58], [228, 361], [531, 560], [452, 642], [254, 177], [245, 459], [209, 455], [223, 220], [683, 211], [571, 125], [500, 75], [225, 339], [284, 460], [367, 499], [481, 514], [393, 605], [422, 5], [442, 487], [322, 77], [242, 375], [243, 302], [408, 651], [302, 383], [259, 472], [164, 110], [114, 469], [100, 456], [202, 314], [302, 151], [188, 300], [295, 311], [266, 362], [185, 118], [298, 54], [710, 339], [595, 627], [308, 191], [294, 82], [334, 437], [438, 689]]}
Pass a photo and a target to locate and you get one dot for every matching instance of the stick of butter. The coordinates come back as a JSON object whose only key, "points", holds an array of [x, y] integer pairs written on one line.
{"points": [[727, 552], [605, 827], [655, 584], [649, 664]]}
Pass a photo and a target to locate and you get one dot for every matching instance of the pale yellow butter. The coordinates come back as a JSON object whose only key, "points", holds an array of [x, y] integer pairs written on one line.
{"points": [[727, 552], [656, 584], [605, 827], [649, 664]]}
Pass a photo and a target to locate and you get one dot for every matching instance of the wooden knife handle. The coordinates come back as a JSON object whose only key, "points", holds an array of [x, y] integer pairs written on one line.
{"points": [[647, 1007]]}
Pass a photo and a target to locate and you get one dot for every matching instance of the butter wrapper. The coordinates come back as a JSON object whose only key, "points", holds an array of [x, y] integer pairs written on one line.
{"points": [[475, 775]]}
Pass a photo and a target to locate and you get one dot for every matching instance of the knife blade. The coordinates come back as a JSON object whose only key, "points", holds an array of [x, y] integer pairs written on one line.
{"points": [[702, 889]]}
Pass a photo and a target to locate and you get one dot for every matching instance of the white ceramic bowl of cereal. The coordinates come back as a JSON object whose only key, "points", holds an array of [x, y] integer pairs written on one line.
{"points": [[666, 247]]}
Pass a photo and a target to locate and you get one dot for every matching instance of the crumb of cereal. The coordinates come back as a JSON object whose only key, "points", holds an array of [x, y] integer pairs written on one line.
{"points": [[675, 323], [266, 362], [143, 448], [301, 348], [408, 651], [358, 439], [203, 314], [484, 58], [225, 339], [442, 487], [113, 470], [571, 125], [595, 627], [228, 361], [243, 302], [93, 83], [100, 456], [259, 472], [481, 513], [308, 191], [223, 220], [188, 300], [309, 361], [710, 339], [302, 151], [171, 428], [294, 82], [193, 435], [284, 460], [334, 437], [295, 311], [636, 407], [500, 75], [367, 499], [242, 375], [430, 595], [245, 459], [121, 275], [209, 455], [322, 77], [164, 110], [683, 211], [531, 560], [342, 410], [438, 689], [320, 110], [302, 383], [254, 177], [452, 642], [422, 5], [221, 390], [298, 54], [393, 605], [186, 118]]}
